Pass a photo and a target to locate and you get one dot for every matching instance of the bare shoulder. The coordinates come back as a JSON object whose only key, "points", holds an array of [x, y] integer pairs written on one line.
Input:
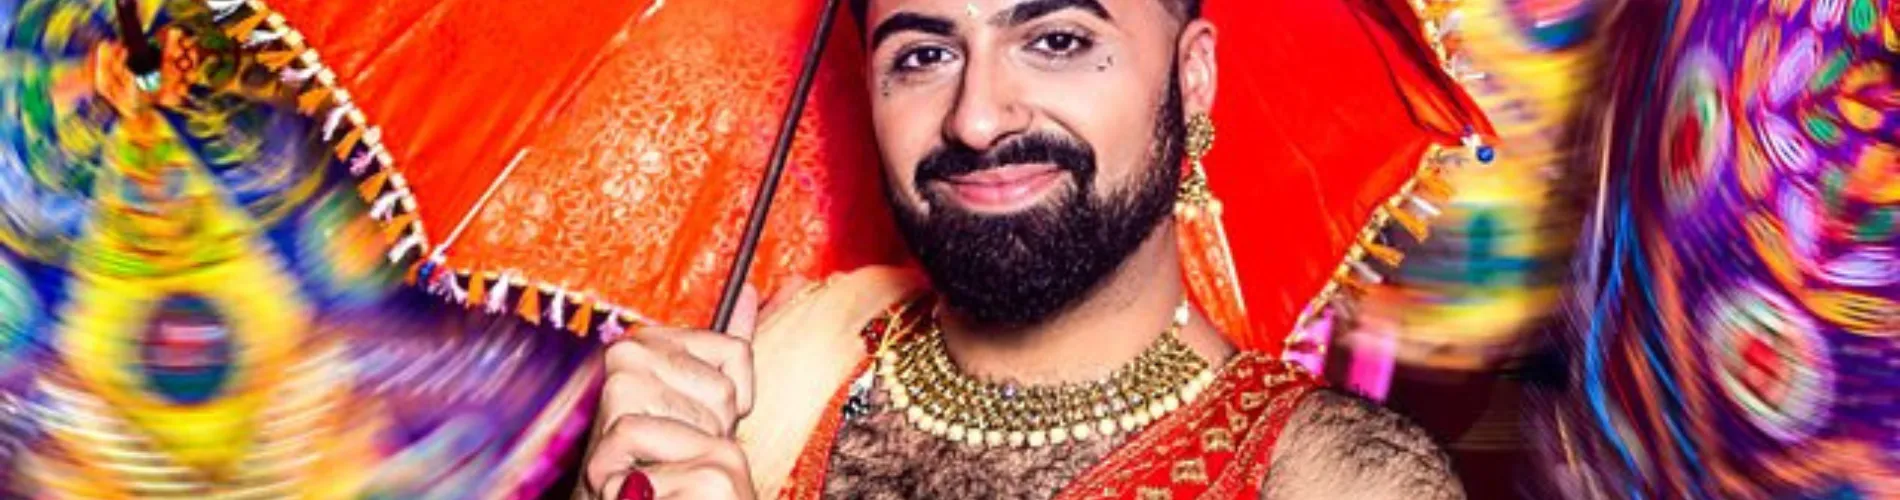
{"points": [[1338, 445]]}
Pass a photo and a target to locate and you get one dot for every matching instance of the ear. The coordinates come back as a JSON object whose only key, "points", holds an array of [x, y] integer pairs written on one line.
{"points": [[1198, 75]]}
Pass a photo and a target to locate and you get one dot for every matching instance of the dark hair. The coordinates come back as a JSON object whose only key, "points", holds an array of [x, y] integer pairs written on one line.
{"points": [[1184, 9]]}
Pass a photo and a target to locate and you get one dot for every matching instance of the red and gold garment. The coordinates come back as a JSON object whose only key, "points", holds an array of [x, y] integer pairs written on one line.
{"points": [[1219, 445]]}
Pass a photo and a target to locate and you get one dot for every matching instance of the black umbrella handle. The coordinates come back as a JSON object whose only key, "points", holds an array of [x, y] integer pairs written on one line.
{"points": [[140, 56], [768, 187]]}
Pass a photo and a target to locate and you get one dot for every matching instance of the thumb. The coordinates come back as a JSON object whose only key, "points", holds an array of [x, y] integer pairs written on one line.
{"points": [[745, 316]]}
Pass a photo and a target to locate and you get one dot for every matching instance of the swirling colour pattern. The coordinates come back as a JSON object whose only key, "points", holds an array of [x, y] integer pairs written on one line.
{"points": [[1745, 309], [196, 303]]}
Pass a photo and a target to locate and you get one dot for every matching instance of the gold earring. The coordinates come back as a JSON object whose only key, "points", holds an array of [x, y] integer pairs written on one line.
{"points": [[1200, 139]]}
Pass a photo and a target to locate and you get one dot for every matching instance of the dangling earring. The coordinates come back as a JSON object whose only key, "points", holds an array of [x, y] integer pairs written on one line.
{"points": [[1200, 140], [1207, 263]]}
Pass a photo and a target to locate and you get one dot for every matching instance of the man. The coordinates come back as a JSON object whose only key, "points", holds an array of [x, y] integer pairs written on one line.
{"points": [[1033, 153]]}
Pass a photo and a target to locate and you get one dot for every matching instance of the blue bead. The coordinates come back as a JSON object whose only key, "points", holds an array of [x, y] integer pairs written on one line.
{"points": [[427, 271], [1486, 154]]}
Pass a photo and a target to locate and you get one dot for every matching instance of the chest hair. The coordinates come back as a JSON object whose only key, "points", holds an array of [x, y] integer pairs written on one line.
{"points": [[879, 456]]}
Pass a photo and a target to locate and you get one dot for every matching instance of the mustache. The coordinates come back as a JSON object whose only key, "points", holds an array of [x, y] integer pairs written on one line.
{"points": [[956, 159]]}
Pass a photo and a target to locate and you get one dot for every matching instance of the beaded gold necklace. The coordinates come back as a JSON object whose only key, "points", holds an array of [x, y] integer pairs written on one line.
{"points": [[938, 398]]}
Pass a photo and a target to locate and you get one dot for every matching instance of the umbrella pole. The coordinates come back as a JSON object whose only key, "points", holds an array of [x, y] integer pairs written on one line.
{"points": [[768, 187]]}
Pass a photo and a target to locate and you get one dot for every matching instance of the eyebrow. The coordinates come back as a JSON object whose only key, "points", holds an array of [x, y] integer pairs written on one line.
{"points": [[907, 21], [1013, 16], [1034, 9]]}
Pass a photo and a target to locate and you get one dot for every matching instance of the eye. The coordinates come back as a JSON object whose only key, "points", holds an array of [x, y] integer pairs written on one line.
{"points": [[921, 58], [1061, 44]]}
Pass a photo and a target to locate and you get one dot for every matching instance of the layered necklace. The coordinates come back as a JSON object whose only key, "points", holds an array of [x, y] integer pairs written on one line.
{"points": [[936, 397]]}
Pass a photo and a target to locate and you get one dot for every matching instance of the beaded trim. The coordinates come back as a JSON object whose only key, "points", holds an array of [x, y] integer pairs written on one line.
{"points": [[1417, 201], [357, 146]]}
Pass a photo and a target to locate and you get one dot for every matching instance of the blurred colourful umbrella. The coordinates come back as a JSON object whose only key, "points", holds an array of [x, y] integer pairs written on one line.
{"points": [[197, 301], [1744, 300]]}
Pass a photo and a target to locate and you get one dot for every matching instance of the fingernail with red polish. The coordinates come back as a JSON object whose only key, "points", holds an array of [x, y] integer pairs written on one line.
{"points": [[637, 487]]}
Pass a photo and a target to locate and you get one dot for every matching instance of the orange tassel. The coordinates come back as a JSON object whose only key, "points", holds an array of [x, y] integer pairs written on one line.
{"points": [[477, 290], [1390, 256], [1431, 185], [241, 30], [530, 307], [277, 59], [1208, 268], [1412, 223], [398, 226], [1347, 283], [310, 101], [349, 140], [582, 319], [373, 185]]}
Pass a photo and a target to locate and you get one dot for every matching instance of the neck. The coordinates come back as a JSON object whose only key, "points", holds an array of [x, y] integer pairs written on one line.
{"points": [[1121, 317]]}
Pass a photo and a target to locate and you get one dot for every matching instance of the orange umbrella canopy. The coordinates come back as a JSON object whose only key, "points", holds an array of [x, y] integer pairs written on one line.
{"points": [[604, 155]]}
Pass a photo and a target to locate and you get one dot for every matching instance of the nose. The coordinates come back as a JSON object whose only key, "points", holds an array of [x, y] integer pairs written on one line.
{"points": [[988, 109]]}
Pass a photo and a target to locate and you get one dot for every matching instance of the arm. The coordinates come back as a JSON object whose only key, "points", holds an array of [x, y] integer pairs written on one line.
{"points": [[1339, 445]]}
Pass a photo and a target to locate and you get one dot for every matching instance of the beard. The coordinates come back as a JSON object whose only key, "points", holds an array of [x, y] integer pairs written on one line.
{"points": [[1022, 268]]}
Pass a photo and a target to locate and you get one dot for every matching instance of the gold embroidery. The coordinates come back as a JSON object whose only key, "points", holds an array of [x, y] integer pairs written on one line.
{"points": [[1216, 440], [1152, 493], [1251, 401], [1191, 470]]}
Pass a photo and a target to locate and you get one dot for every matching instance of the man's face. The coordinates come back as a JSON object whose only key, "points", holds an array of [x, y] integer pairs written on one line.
{"points": [[1029, 145]]}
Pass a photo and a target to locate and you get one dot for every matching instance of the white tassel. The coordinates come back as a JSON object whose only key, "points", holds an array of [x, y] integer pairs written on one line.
{"points": [[557, 309], [261, 37], [498, 298], [359, 164], [1365, 272], [295, 76], [1425, 208], [330, 123], [446, 285], [402, 248], [384, 205], [611, 330], [221, 9], [455, 287]]}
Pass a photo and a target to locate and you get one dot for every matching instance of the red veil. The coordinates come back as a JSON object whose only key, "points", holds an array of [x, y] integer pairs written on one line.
{"points": [[631, 137]]}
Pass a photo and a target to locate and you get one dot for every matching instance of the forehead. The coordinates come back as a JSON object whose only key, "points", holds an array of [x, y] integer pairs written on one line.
{"points": [[984, 11]]}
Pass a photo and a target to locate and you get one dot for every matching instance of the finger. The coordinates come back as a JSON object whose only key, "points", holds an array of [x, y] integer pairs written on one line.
{"points": [[730, 356], [644, 394], [707, 387], [645, 438], [745, 316], [610, 489], [695, 481]]}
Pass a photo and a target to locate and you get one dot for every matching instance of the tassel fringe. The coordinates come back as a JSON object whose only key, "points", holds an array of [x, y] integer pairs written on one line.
{"points": [[357, 148], [1416, 202]]}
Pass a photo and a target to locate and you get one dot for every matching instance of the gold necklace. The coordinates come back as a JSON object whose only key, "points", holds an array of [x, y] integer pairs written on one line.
{"points": [[936, 397]]}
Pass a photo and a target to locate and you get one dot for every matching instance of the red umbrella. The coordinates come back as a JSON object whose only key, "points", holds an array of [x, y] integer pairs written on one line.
{"points": [[604, 156], [1337, 117]]}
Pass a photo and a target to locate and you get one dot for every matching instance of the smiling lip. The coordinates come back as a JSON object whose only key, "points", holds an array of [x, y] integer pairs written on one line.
{"points": [[1003, 189]]}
